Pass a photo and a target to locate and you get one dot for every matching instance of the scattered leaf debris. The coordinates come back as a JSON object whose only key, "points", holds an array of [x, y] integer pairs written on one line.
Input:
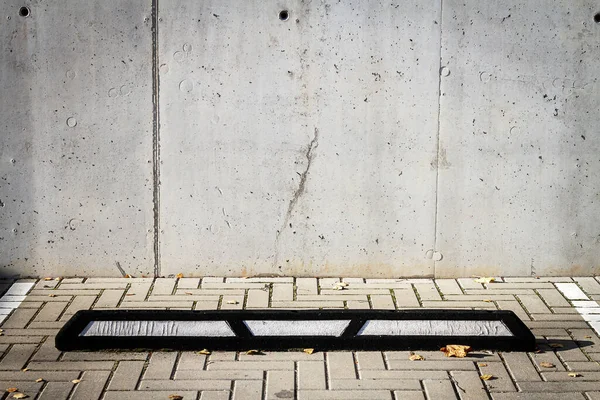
{"points": [[485, 279], [556, 345], [456, 350], [487, 377], [574, 374], [39, 380], [309, 351], [20, 396], [128, 276], [487, 301], [416, 357], [482, 365], [204, 351], [48, 278], [254, 352], [11, 390], [25, 369], [546, 364], [179, 275], [233, 302], [76, 380], [175, 397], [51, 295], [587, 337]]}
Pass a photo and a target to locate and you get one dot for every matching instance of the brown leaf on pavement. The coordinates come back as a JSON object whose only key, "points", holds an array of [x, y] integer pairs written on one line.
{"points": [[179, 275], [254, 352], [309, 351], [547, 364], [11, 390], [175, 397], [487, 377], [482, 365], [456, 350], [415, 357]]}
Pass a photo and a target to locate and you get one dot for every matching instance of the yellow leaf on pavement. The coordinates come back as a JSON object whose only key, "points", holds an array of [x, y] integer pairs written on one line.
{"points": [[179, 275], [233, 302], [485, 279], [574, 374], [253, 352], [415, 357], [486, 377], [547, 364], [76, 380], [20, 396], [204, 351], [456, 350], [51, 295], [309, 351], [482, 365], [39, 380]]}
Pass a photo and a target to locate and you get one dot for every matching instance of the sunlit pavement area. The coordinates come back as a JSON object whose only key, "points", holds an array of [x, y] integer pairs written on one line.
{"points": [[562, 312]]}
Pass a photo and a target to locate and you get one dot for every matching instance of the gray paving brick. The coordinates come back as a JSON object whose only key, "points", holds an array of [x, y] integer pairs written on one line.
{"points": [[43, 294], [138, 291], [358, 304], [564, 376], [427, 291], [537, 396], [516, 285], [583, 366], [17, 356], [415, 375], [448, 286], [250, 390], [439, 390], [365, 384], [470, 386], [191, 360], [340, 365], [533, 304], [188, 283], [110, 298], [47, 352], [572, 386], [306, 286], [19, 318], [370, 360], [553, 298], [251, 365], [382, 302], [126, 375], [70, 365], [31, 332], [459, 304], [501, 381], [406, 298], [94, 286], [469, 283], [409, 395], [56, 391], [230, 302], [219, 374], [215, 395], [280, 384], [308, 304], [161, 365], [20, 339], [104, 356], [284, 356], [51, 311], [210, 384], [311, 375], [515, 307], [588, 284], [31, 376], [91, 385], [206, 305], [431, 365], [521, 367], [257, 299], [283, 292], [163, 286], [344, 394], [154, 395]]}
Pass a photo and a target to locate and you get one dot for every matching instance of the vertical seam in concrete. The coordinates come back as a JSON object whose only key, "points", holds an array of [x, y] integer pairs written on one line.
{"points": [[155, 139], [437, 156]]}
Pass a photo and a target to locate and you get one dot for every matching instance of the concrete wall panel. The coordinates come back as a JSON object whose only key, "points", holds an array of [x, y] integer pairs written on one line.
{"points": [[305, 146], [76, 138], [519, 190]]}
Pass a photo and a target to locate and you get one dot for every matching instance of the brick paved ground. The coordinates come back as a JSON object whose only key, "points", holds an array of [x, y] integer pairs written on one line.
{"points": [[551, 307]]}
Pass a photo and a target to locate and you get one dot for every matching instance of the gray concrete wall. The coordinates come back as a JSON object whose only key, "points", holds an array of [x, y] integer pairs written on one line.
{"points": [[356, 138]]}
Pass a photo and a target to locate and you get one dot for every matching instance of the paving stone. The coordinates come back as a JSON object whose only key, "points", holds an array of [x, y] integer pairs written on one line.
{"points": [[247, 390], [521, 367], [182, 296], [283, 356], [19, 318], [480, 297], [340, 365], [251, 365], [70, 365], [188, 283], [220, 375], [382, 302], [448, 287], [344, 394], [306, 286], [588, 284], [583, 366], [370, 360], [110, 298], [553, 298], [439, 389], [56, 391], [501, 381], [42, 295], [308, 304], [121, 279], [311, 375], [161, 365], [557, 387], [56, 297], [215, 395], [358, 304], [232, 302], [533, 304], [151, 384], [206, 305], [154, 395], [104, 356], [469, 384], [257, 299], [31, 376], [17, 356], [51, 311], [157, 305], [517, 285], [94, 286], [593, 395], [91, 385], [564, 376], [431, 365], [163, 286], [20, 339], [409, 395], [126, 375], [459, 304], [280, 384], [427, 291], [537, 396], [406, 298], [283, 292], [364, 384], [339, 295]]}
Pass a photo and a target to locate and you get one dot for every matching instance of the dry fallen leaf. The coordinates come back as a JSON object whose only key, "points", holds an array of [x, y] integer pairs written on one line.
{"points": [[556, 345], [485, 279], [587, 337], [25, 369], [204, 351], [233, 302], [47, 279], [487, 377], [487, 301], [309, 351], [538, 351], [547, 364], [482, 365], [253, 352], [39, 380], [574, 374], [127, 276], [456, 350], [51, 295], [188, 293], [76, 380], [57, 279], [179, 275], [343, 284], [20, 396], [130, 294], [175, 397], [415, 357], [11, 390]]}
